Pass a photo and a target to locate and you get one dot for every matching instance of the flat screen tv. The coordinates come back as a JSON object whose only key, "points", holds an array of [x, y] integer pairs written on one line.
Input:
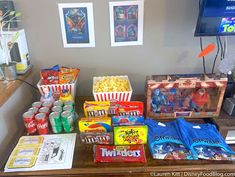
{"points": [[216, 18]]}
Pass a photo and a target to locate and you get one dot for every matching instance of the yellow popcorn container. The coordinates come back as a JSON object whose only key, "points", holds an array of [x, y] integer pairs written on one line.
{"points": [[126, 135], [108, 88]]}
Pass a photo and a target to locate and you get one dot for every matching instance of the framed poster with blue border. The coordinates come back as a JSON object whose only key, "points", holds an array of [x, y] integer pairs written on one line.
{"points": [[126, 22], [77, 24]]}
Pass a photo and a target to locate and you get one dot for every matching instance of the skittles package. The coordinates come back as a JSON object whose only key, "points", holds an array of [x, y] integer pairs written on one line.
{"points": [[92, 124], [164, 141], [127, 120], [204, 141], [133, 153], [96, 109]]}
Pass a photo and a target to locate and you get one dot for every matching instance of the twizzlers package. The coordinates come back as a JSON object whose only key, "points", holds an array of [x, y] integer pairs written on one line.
{"points": [[133, 153]]}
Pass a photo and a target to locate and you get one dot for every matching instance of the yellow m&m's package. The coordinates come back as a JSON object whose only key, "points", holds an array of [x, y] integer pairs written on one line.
{"points": [[126, 135], [96, 108]]}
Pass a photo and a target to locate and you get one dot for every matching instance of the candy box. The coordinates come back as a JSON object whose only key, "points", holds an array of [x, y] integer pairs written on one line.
{"points": [[126, 135], [133, 153], [130, 108], [127, 120], [93, 124], [112, 88], [97, 138], [190, 96], [96, 108]]}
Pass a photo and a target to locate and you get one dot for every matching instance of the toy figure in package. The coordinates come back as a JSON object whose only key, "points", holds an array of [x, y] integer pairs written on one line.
{"points": [[204, 141], [164, 141], [193, 95]]}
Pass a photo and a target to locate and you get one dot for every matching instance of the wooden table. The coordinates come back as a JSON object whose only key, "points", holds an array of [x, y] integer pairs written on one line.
{"points": [[83, 165]]}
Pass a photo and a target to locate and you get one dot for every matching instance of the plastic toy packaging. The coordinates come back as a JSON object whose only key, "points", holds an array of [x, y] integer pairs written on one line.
{"points": [[96, 109], [204, 141], [50, 75], [67, 75], [133, 153], [164, 141], [126, 135]]}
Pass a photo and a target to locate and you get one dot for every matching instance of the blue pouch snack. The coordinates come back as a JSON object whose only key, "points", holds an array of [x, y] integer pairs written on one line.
{"points": [[204, 141], [164, 141]]}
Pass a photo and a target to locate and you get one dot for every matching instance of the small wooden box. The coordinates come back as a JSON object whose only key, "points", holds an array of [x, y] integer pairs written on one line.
{"points": [[185, 95]]}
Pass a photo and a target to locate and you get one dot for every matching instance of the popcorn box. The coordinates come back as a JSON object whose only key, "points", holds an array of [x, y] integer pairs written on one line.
{"points": [[111, 95], [127, 135], [185, 95], [59, 87]]}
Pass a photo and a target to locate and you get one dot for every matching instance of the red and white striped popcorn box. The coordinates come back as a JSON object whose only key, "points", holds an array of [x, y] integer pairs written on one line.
{"points": [[59, 87], [109, 96]]}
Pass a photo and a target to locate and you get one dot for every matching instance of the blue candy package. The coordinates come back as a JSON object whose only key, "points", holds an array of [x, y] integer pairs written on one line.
{"points": [[164, 141], [127, 120], [204, 141]]}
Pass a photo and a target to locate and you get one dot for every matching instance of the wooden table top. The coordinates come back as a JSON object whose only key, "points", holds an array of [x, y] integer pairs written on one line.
{"points": [[7, 88], [83, 165]]}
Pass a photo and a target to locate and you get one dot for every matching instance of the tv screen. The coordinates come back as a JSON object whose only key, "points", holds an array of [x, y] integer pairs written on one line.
{"points": [[216, 18]]}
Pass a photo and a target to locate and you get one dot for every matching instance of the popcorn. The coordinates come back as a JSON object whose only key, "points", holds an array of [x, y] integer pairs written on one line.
{"points": [[112, 84]]}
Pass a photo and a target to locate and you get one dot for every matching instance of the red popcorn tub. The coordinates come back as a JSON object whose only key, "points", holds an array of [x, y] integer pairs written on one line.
{"points": [[108, 88]]}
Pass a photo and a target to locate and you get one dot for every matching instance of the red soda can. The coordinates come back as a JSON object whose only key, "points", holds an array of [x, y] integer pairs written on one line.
{"points": [[45, 110], [47, 104], [29, 122], [34, 110], [37, 104], [42, 123]]}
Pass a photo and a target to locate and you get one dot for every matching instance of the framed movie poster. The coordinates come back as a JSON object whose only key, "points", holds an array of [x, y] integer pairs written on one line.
{"points": [[77, 24], [126, 22]]}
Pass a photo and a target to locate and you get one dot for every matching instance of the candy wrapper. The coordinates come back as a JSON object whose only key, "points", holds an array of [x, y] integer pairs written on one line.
{"points": [[105, 153], [96, 109], [127, 120], [50, 75], [97, 138], [68, 75], [126, 135], [92, 124], [130, 108]]}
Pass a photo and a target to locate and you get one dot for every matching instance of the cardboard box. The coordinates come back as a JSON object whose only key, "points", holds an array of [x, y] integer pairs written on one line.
{"points": [[19, 49], [187, 95]]}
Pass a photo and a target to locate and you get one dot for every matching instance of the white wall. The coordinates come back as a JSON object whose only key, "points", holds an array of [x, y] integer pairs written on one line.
{"points": [[169, 45]]}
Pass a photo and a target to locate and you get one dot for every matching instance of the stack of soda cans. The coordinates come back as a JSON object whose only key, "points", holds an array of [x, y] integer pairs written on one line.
{"points": [[62, 116]]}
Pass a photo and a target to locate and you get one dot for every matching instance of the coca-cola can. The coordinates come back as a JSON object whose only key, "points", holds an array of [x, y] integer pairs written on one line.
{"points": [[34, 110], [42, 123], [37, 104], [29, 122], [45, 110], [47, 104]]}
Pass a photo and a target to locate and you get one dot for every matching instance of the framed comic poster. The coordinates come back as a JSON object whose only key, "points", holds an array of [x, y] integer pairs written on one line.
{"points": [[126, 22], [77, 24]]}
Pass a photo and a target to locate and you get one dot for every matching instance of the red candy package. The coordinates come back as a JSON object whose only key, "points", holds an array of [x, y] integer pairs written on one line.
{"points": [[132, 108], [50, 75], [133, 153]]}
